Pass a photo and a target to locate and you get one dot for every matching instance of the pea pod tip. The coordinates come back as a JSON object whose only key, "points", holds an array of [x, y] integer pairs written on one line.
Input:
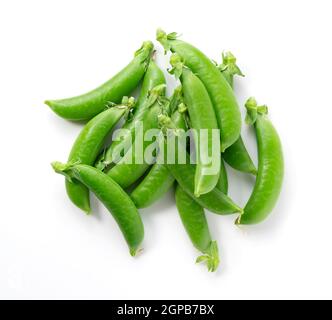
{"points": [[134, 252], [48, 103]]}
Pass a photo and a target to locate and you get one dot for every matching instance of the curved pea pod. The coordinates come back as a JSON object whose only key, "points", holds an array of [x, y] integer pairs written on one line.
{"points": [[184, 173], [86, 106], [221, 94], [159, 180], [152, 82], [112, 196], [215, 201], [153, 187], [133, 165], [194, 221], [236, 155], [202, 118], [270, 166], [87, 146]]}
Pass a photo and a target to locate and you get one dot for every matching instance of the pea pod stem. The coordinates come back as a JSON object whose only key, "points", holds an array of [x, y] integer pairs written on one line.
{"points": [[112, 196], [86, 106], [270, 166], [229, 68]]}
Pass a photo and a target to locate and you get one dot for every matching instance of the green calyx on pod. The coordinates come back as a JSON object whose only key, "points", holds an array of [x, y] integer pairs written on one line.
{"points": [[253, 110], [211, 257], [177, 64], [145, 51], [229, 64], [164, 38]]}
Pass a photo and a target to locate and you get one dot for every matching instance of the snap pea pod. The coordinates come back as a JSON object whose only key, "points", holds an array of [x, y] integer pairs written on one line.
{"points": [[159, 180], [215, 200], [236, 155], [132, 166], [184, 173], [222, 184], [87, 146], [86, 106], [270, 166], [112, 196], [221, 94], [202, 117], [153, 187], [194, 221], [152, 79]]}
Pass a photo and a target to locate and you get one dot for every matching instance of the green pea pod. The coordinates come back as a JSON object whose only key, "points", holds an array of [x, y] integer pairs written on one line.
{"points": [[215, 200], [270, 166], [202, 117], [159, 180], [155, 185], [132, 166], [153, 78], [222, 184], [88, 145], [184, 173], [112, 196], [86, 106], [194, 221], [236, 155], [221, 94]]}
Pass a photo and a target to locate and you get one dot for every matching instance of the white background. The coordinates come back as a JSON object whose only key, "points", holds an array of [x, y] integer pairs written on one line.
{"points": [[55, 49]]}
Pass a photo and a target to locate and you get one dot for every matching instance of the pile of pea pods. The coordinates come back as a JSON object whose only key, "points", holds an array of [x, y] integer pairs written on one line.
{"points": [[204, 100]]}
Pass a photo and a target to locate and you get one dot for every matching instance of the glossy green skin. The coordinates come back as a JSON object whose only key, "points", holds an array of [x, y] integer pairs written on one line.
{"points": [[86, 148], [215, 200], [222, 184], [229, 77], [237, 155], [159, 180], [153, 77], [202, 116], [194, 221], [153, 187], [115, 200], [86, 106], [221, 94], [126, 174], [270, 173]]}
